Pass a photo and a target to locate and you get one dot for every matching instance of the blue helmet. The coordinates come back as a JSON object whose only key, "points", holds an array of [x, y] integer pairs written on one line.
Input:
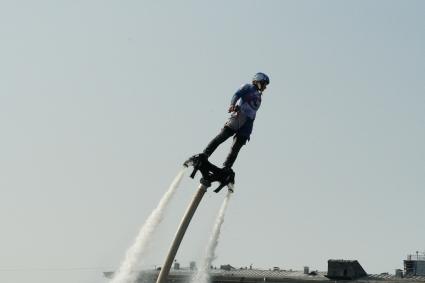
{"points": [[261, 78]]}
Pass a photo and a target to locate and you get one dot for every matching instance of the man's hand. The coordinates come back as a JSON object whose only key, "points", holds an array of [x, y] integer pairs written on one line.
{"points": [[232, 108]]}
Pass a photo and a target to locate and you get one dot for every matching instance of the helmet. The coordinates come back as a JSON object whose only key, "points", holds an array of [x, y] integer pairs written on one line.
{"points": [[261, 78]]}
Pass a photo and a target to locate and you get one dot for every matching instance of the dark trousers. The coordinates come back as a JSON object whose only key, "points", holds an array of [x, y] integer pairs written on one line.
{"points": [[238, 142]]}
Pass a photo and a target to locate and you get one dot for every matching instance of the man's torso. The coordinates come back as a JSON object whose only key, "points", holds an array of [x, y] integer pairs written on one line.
{"points": [[250, 100]]}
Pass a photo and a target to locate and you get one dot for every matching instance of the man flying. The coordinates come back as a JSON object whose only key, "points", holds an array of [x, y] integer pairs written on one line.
{"points": [[243, 108]]}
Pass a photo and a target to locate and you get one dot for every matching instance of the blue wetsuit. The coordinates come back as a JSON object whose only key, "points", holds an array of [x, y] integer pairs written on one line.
{"points": [[248, 101], [248, 98]]}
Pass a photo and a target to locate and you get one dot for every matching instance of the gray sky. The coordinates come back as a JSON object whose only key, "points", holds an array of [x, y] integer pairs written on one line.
{"points": [[101, 101]]}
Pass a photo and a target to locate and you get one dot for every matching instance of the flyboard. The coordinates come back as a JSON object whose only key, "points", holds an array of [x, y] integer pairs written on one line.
{"points": [[210, 174]]}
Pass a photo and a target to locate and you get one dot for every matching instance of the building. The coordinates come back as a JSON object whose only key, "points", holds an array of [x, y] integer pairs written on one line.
{"points": [[345, 269], [414, 265], [338, 271]]}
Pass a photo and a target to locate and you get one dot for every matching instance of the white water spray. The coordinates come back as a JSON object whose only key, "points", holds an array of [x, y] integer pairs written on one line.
{"points": [[203, 275], [128, 273]]}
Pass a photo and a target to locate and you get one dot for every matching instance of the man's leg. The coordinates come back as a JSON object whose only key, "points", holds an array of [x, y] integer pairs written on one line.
{"points": [[238, 142], [225, 133]]}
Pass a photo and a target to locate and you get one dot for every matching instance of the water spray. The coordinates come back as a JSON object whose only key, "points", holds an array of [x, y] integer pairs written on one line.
{"points": [[127, 272], [210, 173], [203, 274]]}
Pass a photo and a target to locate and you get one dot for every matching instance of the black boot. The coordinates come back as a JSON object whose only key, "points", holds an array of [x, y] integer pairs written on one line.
{"points": [[238, 142]]}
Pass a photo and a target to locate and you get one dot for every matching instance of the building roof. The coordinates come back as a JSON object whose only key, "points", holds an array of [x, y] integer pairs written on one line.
{"points": [[237, 275]]}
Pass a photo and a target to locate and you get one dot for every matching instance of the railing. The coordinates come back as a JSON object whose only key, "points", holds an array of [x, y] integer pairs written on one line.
{"points": [[417, 256]]}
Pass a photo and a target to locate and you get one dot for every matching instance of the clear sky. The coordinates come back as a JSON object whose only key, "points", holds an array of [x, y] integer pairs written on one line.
{"points": [[101, 102]]}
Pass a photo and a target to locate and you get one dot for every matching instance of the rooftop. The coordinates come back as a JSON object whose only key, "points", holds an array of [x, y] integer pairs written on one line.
{"points": [[259, 275]]}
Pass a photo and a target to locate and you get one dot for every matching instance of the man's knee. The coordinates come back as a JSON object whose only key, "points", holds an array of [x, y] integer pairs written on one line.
{"points": [[227, 131], [224, 134], [240, 140]]}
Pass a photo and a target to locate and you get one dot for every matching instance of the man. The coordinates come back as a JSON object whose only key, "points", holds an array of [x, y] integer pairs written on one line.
{"points": [[243, 108]]}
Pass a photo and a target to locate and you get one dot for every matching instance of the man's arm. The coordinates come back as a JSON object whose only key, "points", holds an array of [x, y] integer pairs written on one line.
{"points": [[238, 95]]}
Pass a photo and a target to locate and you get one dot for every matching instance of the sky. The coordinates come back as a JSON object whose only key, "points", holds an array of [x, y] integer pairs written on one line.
{"points": [[102, 101]]}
